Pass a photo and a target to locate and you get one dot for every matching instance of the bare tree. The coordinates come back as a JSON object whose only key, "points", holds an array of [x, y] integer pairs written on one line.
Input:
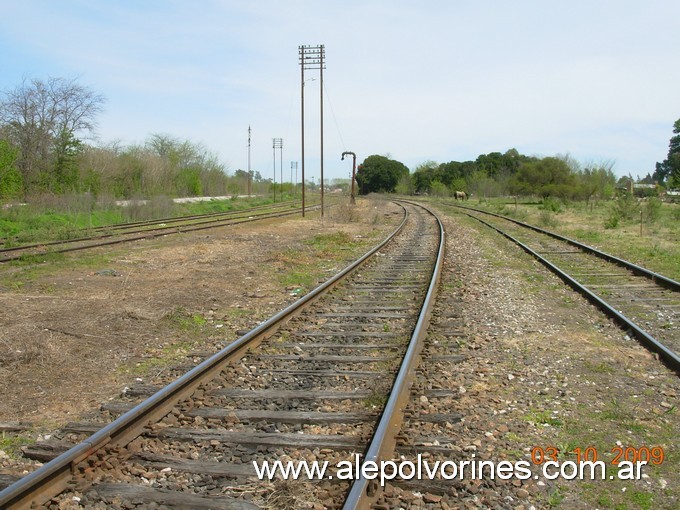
{"points": [[38, 114]]}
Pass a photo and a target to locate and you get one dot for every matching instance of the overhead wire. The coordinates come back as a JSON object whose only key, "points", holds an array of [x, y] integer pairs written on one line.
{"points": [[335, 120]]}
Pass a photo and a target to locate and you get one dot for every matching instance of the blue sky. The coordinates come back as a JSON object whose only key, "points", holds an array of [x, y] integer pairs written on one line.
{"points": [[429, 80]]}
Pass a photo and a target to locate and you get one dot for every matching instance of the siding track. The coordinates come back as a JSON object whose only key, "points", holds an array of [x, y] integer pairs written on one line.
{"points": [[643, 302], [117, 234]]}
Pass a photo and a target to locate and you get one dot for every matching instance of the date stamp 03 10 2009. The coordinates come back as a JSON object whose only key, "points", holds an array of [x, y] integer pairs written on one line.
{"points": [[654, 455]]}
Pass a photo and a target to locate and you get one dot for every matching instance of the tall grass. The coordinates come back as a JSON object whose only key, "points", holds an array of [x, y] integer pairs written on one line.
{"points": [[52, 217]]}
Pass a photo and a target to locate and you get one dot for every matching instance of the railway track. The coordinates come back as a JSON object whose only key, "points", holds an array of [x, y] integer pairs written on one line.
{"points": [[645, 303], [117, 234], [319, 381]]}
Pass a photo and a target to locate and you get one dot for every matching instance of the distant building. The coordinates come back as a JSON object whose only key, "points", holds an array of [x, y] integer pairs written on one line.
{"points": [[640, 189]]}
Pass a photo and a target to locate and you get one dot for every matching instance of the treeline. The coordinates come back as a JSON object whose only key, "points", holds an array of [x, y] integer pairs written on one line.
{"points": [[512, 173], [493, 174], [44, 131]]}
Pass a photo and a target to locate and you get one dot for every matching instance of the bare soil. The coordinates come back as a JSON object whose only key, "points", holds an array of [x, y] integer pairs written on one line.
{"points": [[78, 330], [544, 370]]}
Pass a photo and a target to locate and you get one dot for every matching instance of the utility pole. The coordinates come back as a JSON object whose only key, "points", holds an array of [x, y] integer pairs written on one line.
{"points": [[311, 57], [250, 175], [323, 55], [281, 166]]}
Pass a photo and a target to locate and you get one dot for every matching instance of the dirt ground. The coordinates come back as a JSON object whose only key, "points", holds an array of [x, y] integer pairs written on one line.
{"points": [[74, 332], [544, 370]]}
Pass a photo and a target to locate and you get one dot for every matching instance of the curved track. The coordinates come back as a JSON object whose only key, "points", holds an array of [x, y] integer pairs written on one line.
{"points": [[642, 301], [304, 385]]}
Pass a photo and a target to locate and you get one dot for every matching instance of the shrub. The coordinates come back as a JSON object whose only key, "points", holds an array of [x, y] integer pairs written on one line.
{"points": [[626, 207], [652, 209], [550, 204], [438, 189], [612, 221], [547, 219], [154, 208], [676, 212]]}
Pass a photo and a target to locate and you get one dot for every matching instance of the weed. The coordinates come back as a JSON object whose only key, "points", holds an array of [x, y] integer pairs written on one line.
{"points": [[189, 323], [377, 399], [612, 221], [550, 204], [161, 359], [543, 418], [626, 206], [344, 213], [326, 244], [555, 498], [11, 444], [604, 501], [614, 411], [652, 209], [547, 219], [588, 235], [642, 499], [567, 448], [236, 313], [600, 368]]}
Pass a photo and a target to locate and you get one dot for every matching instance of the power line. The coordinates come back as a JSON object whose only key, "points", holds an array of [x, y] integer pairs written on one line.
{"points": [[335, 120]]}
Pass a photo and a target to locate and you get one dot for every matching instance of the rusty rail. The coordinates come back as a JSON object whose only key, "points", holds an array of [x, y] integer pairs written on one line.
{"points": [[363, 490], [669, 356], [137, 235], [53, 477]]}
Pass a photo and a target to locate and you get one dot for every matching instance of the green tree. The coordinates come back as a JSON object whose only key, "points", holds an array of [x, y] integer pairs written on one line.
{"points": [[596, 181], [423, 176], [481, 185], [379, 174], [11, 183], [36, 114], [405, 185], [671, 165], [65, 176], [545, 178], [439, 189]]}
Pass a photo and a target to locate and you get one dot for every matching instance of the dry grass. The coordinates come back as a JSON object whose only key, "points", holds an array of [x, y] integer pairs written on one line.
{"points": [[291, 495]]}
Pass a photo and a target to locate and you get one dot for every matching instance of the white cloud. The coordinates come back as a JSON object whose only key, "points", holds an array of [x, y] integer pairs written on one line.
{"points": [[434, 80]]}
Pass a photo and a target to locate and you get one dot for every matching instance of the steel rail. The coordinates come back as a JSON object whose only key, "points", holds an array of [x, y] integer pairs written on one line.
{"points": [[54, 477], [133, 224], [363, 490], [119, 226], [156, 225], [662, 280], [669, 356], [147, 234]]}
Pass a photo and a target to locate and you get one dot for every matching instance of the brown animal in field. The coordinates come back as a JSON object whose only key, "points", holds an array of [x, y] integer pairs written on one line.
{"points": [[460, 195]]}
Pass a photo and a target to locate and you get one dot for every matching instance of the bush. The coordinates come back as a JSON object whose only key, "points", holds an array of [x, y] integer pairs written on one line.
{"points": [[626, 207], [547, 219], [343, 213], [550, 204], [652, 209], [438, 189], [153, 209], [612, 221], [676, 212]]}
